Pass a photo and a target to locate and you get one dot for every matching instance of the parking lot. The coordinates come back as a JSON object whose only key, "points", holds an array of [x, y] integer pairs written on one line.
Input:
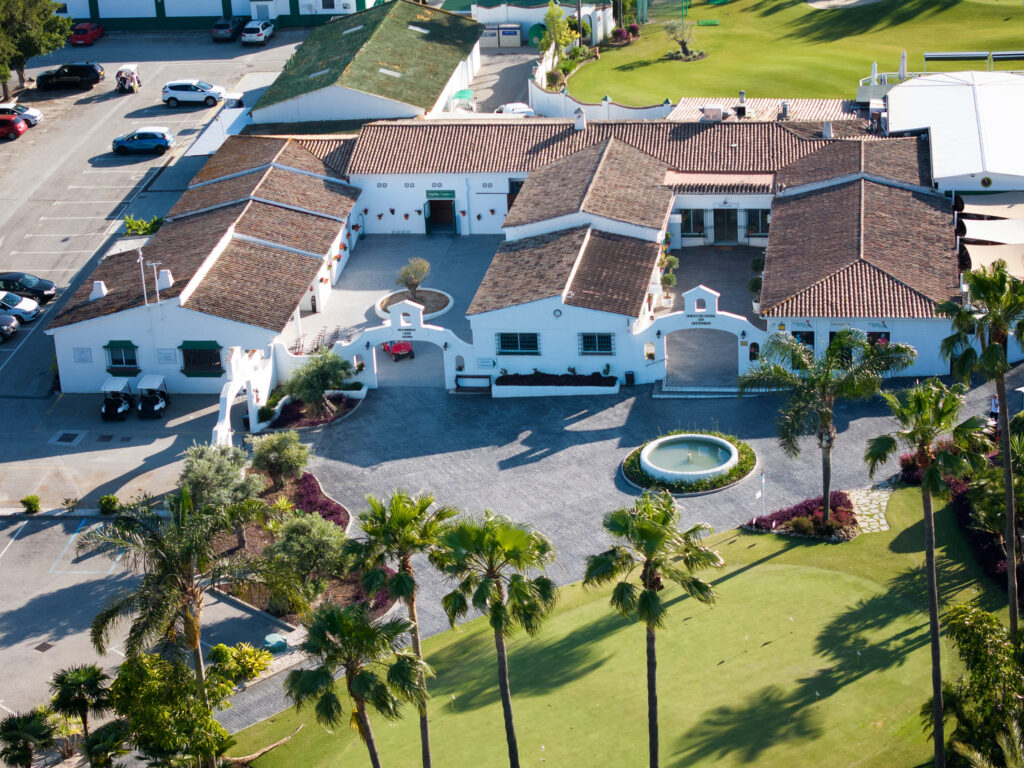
{"points": [[63, 193], [51, 595]]}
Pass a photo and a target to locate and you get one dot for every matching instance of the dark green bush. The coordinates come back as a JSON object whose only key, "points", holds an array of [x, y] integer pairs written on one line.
{"points": [[801, 525], [275, 397], [265, 413], [31, 504], [109, 504], [1017, 424], [757, 264]]}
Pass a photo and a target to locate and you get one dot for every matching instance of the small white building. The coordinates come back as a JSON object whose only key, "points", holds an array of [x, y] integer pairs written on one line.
{"points": [[177, 14], [529, 15], [398, 59], [261, 232]]}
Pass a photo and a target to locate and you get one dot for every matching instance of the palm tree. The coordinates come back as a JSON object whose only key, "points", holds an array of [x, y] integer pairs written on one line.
{"points": [[377, 673], [926, 414], [22, 735], [394, 531], [81, 691], [490, 560], [105, 744], [179, 565], [851, 368], [649, 539], [982, 326], [1011, 743]]}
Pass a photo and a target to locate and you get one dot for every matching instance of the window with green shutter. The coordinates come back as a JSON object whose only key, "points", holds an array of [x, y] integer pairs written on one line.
{"points": [[201, 358], [122, 358]]}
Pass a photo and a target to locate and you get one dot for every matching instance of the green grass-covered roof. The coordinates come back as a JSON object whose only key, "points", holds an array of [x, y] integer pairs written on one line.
{"points": [[352, 51]]}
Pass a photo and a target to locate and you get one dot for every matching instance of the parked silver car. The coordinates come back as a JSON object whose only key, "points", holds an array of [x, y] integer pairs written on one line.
{"points": [[26, 310]]}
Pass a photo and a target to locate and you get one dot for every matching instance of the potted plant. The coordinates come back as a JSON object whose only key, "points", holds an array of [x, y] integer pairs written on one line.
{"points": [[668, 280], [755, 287]]}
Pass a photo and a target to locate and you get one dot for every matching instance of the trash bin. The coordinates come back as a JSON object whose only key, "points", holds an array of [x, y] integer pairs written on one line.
{"points": [[630, 378]]}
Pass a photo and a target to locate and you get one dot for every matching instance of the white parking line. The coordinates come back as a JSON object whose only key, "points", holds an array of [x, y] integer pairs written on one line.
{"points": [[80, 525], [98, 186], [67, 218], [63, 234], [7, 709], [13, 253], [41, 270], [112, 169], [82, 202], [20, 529]]}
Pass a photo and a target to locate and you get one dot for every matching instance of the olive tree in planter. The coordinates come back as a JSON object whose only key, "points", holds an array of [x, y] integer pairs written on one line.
{"points": [[755, 288], [322, 372], [412, 275]]}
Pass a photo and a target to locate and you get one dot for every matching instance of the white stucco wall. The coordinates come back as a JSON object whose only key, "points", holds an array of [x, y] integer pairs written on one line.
{"points": [[461, 78], [527, 17], [240, 7], [333, 103], [708, 204], [924, 335], [193, 8], [151, 328], [581, 219], [78, 9], [135, 9]]}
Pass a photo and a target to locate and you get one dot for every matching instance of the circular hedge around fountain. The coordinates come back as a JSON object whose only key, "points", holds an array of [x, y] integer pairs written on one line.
{"points": [[635, 474]]}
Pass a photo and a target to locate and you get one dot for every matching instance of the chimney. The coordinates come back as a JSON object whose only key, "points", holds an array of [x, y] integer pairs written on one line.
{"points": [[743, 97], [164, 280], [826, 131], [99, 290], [581, 119], [785, 110]]}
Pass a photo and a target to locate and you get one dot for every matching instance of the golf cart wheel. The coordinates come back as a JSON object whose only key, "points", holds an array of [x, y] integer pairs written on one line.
{"points": [[394, 357], [210, 101], [172, 102], [411, 354]]}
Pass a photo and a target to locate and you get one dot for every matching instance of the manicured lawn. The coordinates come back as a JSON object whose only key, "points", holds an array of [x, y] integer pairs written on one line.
{"points": [[815, 655], [787, 48]]}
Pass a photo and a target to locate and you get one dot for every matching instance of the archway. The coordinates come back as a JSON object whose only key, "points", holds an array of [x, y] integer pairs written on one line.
{"points": [[701, 357]]}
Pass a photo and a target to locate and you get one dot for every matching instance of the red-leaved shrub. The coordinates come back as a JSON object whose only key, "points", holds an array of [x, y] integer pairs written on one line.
{"points": [[840, 516], [308, 497]]}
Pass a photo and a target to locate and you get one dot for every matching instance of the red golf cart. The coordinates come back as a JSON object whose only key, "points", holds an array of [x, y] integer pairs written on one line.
{"points": [[398, 349]]}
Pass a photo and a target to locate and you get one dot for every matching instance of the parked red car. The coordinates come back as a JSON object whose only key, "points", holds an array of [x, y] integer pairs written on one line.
{"points": [[12, 126], [398, 349], [86, 33]]}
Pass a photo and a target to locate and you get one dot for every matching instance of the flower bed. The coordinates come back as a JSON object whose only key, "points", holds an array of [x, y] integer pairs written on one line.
{"points": [[293, 413], [808, 519], [307, 495], [747, 459], [539, 379]]}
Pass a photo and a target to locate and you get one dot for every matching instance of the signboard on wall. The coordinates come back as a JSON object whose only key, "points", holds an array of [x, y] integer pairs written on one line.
{"points": [[440, 194]]}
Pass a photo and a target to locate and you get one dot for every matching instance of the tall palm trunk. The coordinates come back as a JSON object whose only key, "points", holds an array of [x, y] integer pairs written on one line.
{"points": [[84, 717], [652, 698], [1011, 517], [240, 535], [506, 699], [938, 735], [416, 648], [364, 723], [826, 479]]}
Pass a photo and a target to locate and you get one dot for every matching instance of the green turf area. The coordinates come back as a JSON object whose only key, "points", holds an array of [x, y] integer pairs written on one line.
{"points": [[771, 676], [778, 48]]}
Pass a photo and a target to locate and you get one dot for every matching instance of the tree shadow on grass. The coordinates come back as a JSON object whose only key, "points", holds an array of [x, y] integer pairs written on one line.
{"points": [[825, 26], [469, 668]]}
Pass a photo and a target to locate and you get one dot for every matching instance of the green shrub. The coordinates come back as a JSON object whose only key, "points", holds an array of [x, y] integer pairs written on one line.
{"points": [[351, 386], [566, 66], [134, 226], [801, 525], [265, 413], [215, 475], [31, 504], [275, 397], [757, 264], [251, 662], [1017, 423], [109, 504], [554, 79], [310, 547], [281, 455], [574, 26], [668, 280], [754, 285]]}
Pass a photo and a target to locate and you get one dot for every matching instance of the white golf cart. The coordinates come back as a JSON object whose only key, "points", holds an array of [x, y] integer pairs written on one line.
{"points": [[153, 397], [117, 398]]}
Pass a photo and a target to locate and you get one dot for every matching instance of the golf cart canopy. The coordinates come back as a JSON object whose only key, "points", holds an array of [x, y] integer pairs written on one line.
{"points": [[116, 384], [152, 381]]}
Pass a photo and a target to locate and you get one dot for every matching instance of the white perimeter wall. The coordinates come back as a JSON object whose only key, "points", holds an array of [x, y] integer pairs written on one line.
{"points": [[137, 9], [922, 334], [193, 8], [78, 9], [476, 194], [158, 326], [559, 342], [461, 78], [333, 103], [240, 7], [600, 28], [556, 104]]}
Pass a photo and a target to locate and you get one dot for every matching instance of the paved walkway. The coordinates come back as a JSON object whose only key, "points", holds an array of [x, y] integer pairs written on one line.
{"points": [[869, 507], [554, 462]]}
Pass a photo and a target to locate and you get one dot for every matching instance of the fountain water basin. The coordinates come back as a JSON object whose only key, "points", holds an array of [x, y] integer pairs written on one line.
{"points": [[688, 458]]}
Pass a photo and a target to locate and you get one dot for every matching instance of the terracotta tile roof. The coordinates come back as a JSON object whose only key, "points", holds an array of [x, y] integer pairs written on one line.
{"points": [[296, 155], [239, 154], [822, 242], [530, 269], [610, 179], [216, 193], [841, 129], [518, 146], [335, 153], [901, 159], [181, 246], [255, 285], [689, 109], [720, 183], [304, 231], [614, 274]]}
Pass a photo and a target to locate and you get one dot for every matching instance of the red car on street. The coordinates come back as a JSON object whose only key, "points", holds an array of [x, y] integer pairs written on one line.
{"points": [[12, 126], [86, 33]]}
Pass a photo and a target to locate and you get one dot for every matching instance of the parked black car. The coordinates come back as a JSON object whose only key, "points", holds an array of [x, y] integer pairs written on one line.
{"points": [[227, 28], [9, 325], [77, 74], [24, 284]]}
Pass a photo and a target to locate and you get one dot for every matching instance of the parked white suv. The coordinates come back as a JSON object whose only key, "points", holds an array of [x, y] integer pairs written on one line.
{"points": [[195, 91], [257, 32], [22, 308]]}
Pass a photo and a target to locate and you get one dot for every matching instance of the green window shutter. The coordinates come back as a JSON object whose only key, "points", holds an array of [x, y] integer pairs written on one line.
{"points": [[199, 345], [120, 344]]}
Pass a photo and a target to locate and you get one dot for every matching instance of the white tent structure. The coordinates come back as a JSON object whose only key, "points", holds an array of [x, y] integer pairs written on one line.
{"points": [[974, 120], [987, 255], [1009, 231]]}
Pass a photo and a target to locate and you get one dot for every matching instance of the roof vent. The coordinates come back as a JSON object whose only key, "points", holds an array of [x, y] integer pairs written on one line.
{"points": [[826, 131], [581, 119], [785, 110], [712, 112], [352, 29], [743, 97], [421, 30], [390, 72], [318, 73], [164, 280], [99, 290]]}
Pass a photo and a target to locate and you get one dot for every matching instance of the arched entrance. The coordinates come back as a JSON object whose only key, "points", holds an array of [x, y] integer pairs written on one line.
{"points": [[701, 357]]}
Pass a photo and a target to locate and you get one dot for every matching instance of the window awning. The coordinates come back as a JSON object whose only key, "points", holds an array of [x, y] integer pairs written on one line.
{"points": [[199, 345], [120, 344], [1005, 205]]}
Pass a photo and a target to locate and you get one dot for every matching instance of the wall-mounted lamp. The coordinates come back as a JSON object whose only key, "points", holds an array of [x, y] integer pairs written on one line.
{"points": [[884, 325], [445, 346], [367, 345], [658, 334], [743, 334], [782, 326]]}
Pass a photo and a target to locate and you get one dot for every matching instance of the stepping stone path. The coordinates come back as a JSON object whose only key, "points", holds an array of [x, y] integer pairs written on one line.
{"points": [[869, 507]]}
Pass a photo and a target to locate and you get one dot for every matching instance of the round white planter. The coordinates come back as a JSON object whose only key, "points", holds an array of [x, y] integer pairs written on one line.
{"points": [[682, 476], [383, 315]]}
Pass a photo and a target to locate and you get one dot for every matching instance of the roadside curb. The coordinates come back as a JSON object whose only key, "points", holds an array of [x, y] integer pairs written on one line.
{"points": [[18, 512]]}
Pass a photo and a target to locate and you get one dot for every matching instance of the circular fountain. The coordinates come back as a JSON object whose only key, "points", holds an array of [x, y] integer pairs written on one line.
{"points": [[688, 458]]}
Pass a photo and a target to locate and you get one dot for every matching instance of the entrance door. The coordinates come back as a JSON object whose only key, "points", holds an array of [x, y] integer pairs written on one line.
{"points": [[441, 215], [726, 225]]}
